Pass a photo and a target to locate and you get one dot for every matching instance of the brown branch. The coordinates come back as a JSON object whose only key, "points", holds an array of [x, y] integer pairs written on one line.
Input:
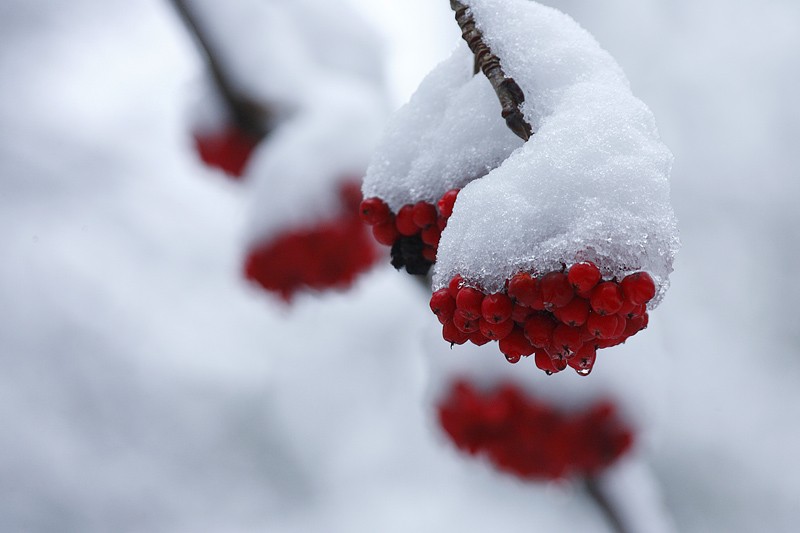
{"points": [[249, 114], [607, 507], [508, 91]]}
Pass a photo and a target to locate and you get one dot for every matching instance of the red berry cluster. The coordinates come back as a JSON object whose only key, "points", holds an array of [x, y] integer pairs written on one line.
{"points": [[562, 317], [227, 149], [528, 437], [413, 232], [328, 255]]}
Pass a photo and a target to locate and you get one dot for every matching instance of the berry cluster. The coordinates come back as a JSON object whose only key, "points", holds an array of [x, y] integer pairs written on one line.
{"points": [[562, 317], [328, 255], [413, 232], [227, 149], [528, 437]]}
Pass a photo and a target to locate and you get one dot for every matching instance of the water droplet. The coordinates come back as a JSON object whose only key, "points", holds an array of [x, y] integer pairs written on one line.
{"points": [[549, 373], [584, 371]]}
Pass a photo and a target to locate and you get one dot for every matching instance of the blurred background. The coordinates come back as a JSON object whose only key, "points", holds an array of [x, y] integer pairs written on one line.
{"points": [[146, 386]]}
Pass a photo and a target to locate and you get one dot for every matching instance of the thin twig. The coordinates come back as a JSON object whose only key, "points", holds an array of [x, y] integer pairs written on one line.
{"points": [[249, 114], [607, 507], [508, 91]]}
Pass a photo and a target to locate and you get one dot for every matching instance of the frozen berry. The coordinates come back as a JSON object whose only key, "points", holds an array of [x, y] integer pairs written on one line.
{"points": [[544, 362], [574, 313], [639, 288], [584, 359], [495, 331], [447, 202], [453, 335], [601, 326], [405, 221], [455, 285], [464, 324], [606, 298], [468, 302], [429, 253], [431, 236], [556, 289], [385, 232], [375, 211], [539, 330], [520, 313], [424, 214], [525, 289], [583, 276], [496, 308], [478, 339], [566, 339], [443, 305], [515, 344]]}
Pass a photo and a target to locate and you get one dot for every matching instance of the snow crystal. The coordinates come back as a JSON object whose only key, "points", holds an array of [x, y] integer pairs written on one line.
{"points": [[449, 134], [295, 177], [591, 184]]}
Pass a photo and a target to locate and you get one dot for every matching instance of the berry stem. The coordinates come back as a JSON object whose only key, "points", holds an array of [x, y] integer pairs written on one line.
{"points": [[249, 114], [508, 91], [613, 516]]}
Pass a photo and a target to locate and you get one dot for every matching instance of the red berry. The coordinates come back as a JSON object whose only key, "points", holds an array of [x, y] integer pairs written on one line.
{"points": [[478, 339], [431, 235], [574, 313], [455, 285], [627, 308], [374, 211], [464, 324], [496, 308], [606, 298], [405, 221], [443, 305], [385, 233], [495, 331], [520, 313], [515, 344], [469, 301], [447, 202], [635, 325], [544, 362], [601, 326], [525, 290], [228, 149], [556, 289], [566, 339], [453, 335], [639, 288], [424, 214], [429, 253], [584, 359], [539, 330], [620, 329], [583, 276]]}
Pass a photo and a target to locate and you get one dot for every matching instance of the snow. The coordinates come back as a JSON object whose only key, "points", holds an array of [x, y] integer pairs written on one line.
{"points": [[145, 387], [591, 184], [448, 135], [294, 176]]}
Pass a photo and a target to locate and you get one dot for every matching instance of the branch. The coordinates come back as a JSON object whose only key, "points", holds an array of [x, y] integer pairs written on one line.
{"points": [[249, 114], [508, 91], [602, 500]]}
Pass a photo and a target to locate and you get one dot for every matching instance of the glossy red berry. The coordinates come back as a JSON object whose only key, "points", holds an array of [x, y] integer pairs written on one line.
{"points": [[496, 308], [544, 362], [583, 276], [639, 288], [431, 236], [455, 285], [515, 344], [539, 330], [228, 149], [556, 289], [566, 340], [385, 232], [453, 335], [429, 253], [520, 314], [601, 326], [478, 339], [374, 211], [496, 331], [606, 298], [464, 324], [468, 302], [405, 221], [447, 202], [574, 313], [584, 359], [443, 305], [424, 214], [525, 290]]}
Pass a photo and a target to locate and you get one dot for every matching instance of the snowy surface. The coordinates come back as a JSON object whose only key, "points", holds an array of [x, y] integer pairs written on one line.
{"points": [[448, 135], [591, 184], [144, 387], [295, 175]]}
